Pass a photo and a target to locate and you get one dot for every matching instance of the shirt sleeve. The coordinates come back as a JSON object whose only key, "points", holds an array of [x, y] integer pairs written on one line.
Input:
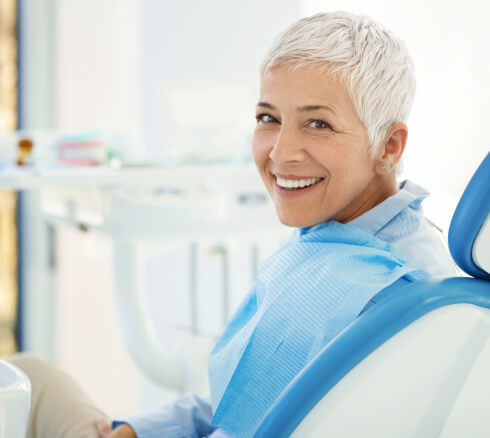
{"points": [[188, 417], [220, 433]]}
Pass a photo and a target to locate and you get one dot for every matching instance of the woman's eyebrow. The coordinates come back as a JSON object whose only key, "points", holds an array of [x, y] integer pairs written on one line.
{"points": [[266, 105], [301, 109], [306, 108]]}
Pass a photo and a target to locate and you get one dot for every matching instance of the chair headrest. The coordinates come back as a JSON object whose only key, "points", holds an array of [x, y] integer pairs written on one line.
{"points": [[469, 232]]}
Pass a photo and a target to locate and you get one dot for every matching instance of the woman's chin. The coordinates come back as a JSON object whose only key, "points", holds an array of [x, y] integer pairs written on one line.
{"points": [[295, 220]]}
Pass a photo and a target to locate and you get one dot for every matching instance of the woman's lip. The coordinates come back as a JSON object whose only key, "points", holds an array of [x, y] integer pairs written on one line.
{"points": [[280, 175]]}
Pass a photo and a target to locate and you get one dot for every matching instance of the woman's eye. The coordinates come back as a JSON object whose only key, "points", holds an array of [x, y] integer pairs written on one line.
{"points": [[265, 118], [319, 124]]}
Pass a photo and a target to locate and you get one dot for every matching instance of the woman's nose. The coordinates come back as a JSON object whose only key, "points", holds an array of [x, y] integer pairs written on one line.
{"points": [[287, 147]]}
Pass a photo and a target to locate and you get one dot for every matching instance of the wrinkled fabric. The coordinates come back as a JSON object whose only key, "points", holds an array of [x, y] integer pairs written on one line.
{"points": [[304, 296]]}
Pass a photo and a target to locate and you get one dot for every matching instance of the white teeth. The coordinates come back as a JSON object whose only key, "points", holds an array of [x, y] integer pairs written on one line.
{"points": [[296, 183]]}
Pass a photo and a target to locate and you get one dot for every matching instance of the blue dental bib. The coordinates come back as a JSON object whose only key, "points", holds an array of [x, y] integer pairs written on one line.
{"points": [[305, 295]]}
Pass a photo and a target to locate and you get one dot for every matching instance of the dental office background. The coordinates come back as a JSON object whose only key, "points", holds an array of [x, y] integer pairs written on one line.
{"points": [[175, 83]]}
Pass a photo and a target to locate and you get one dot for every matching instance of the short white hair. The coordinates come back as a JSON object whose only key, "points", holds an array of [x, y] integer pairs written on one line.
{"points": [[373, 64]]}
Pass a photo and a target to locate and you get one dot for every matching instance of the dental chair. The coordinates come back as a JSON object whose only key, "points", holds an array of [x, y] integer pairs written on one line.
{"points": [[15, 396], [414, 365]]}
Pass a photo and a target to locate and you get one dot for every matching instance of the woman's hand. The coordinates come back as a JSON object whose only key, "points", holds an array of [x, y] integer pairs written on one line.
{"points": [[122, 431]]}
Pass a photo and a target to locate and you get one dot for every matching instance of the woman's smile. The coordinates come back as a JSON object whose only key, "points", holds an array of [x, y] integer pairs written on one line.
{"points": [[292, 186]]}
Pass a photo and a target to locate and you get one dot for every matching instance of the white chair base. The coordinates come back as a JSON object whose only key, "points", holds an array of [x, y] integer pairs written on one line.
{"points": [[15, 397]]}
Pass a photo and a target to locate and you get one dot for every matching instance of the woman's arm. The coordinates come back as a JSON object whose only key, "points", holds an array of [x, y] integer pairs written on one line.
{"points": [[188, 417]]}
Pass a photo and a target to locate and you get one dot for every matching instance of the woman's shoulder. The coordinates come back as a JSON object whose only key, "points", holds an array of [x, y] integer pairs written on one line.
{"points": [[423, 244], [400, 221]]}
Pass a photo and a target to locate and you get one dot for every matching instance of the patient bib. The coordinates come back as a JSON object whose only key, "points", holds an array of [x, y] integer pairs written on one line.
{"points": [[305, 295]]}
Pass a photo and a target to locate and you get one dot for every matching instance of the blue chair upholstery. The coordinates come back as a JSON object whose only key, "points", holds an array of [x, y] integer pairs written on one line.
{"points": [[404, 304], [468, 219]]}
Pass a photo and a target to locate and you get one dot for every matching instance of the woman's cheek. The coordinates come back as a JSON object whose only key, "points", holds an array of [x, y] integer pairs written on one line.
{"points": [[261, 146]]}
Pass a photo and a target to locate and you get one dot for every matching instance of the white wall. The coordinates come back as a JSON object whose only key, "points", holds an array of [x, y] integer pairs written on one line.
{"points": [[98, 65]]}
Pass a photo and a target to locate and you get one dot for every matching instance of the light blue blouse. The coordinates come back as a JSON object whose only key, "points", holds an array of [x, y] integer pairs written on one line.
{"points": [[391, 221]]}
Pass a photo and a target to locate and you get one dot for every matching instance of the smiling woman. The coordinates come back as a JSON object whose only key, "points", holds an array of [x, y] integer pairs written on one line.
{"points": [[336, 91]]}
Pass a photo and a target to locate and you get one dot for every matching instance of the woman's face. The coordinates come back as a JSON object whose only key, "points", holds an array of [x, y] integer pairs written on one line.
{"points": [[311, 149]]}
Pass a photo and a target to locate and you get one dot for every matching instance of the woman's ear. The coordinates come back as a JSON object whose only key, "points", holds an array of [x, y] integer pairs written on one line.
{"points": [[392, 148]]}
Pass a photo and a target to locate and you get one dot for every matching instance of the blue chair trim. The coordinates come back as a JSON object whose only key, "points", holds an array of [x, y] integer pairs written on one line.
{"points": [[469, 216], [360, 339]]}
